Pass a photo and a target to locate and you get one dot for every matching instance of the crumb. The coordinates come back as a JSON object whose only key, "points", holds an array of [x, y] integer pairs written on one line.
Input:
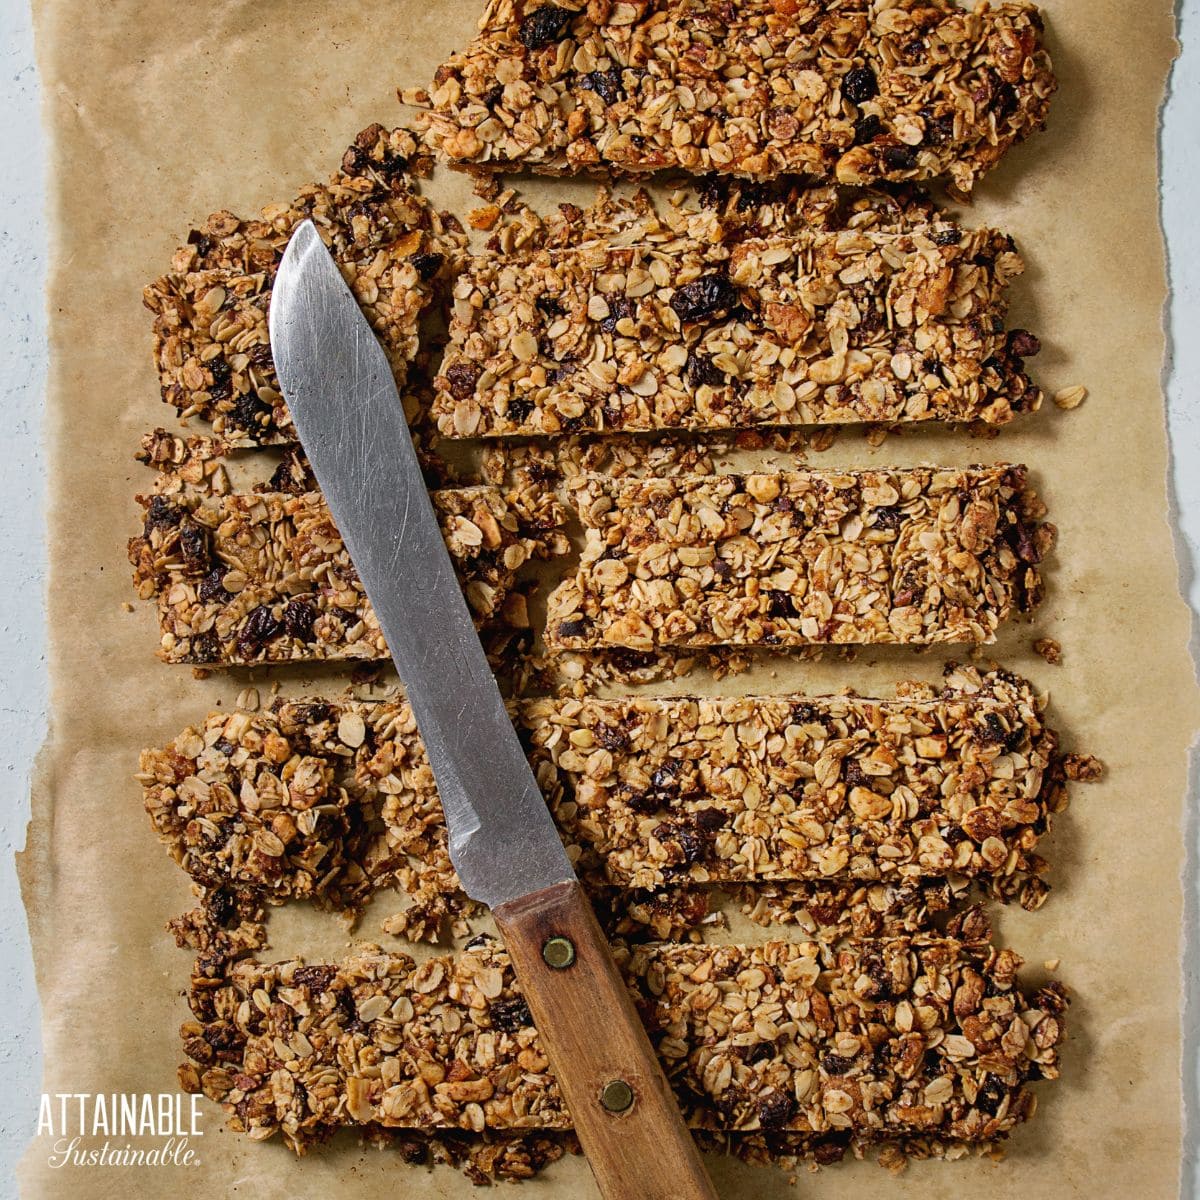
{"points": [[1071, 397], [1050, 650]]}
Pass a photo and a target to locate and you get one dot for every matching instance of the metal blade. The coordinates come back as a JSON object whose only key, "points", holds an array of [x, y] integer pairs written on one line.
{"points": [[343, 399]]}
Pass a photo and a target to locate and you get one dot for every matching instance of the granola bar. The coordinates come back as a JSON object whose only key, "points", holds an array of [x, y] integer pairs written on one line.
{"points": [[882, 1038], [861, 325], [252, 578], [851, 91], [211, 344], [711, 209], [331, 800], [798, 787], [914, 557]]}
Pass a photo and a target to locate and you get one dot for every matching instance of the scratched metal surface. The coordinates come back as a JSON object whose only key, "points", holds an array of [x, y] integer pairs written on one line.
{"points": [[342, 396]]}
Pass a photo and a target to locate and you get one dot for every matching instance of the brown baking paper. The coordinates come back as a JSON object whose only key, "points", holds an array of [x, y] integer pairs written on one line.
{"points": [[160, 113]]}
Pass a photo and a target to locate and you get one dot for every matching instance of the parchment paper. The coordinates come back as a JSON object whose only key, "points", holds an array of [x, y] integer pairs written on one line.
{"points": [[161, 113]]}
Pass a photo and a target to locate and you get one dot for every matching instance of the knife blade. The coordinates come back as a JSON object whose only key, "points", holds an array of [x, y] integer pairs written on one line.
{"points": [[339, 386]]}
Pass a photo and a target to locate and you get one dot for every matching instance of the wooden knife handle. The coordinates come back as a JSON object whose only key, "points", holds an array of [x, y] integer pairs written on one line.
{"points": [[623, 1109]]}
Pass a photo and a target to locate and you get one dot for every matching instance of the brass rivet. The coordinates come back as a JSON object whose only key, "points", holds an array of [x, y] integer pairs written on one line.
{"points": [[559, 953], [616, 1095]]}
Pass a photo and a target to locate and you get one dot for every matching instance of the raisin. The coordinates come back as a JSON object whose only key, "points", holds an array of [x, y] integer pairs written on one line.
{"points": [[775, 1110], [206, 647], [899, 158], [712, 191], [461, 378], [1020, 538], [993, 730], [701, 371], [311, 714], [611, 737], [318, 978], [729, 1102], [1005, 101], [573, 627], [618, 310], [836, 1064], [211, 589], [831, 1151], [757, 1052], [293, 476], [202, 243], [663, 778], [1023, 344], [519, 409], [354, 160], [704, 298], [249, 412], [606, 84], [412, 1150], [860, 85], [692, 845], [867, 129], [751, 195], [428, 265], [709, 819], [888, 516], [222, 1036], [781, 604], [854, 775], [948, 237], [991, 1095], [193, 545], [689, 841], [806, 714], [221, 387], [162, 514], [260, 627], [510, 1015], [221, 908], [549, 306], [544, 26], [298, 618], [564, 370]]}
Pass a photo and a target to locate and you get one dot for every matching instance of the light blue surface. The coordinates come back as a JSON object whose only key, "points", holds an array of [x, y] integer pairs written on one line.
{"points": [[23, 689]]}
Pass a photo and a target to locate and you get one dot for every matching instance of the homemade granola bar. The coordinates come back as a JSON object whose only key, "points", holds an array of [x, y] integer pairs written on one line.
{"points": [[265, 577], [798, 787], [915, 556], [711, 209], [852, 90], [823, 328], [211, 344], [880, 1039], [331, 800]]}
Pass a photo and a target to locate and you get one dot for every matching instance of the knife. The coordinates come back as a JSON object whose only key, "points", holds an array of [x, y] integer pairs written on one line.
{"points": [[503, 843]]}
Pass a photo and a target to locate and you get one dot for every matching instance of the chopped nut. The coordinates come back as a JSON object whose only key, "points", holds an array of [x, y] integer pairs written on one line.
{"points": [[1071, 397]]}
